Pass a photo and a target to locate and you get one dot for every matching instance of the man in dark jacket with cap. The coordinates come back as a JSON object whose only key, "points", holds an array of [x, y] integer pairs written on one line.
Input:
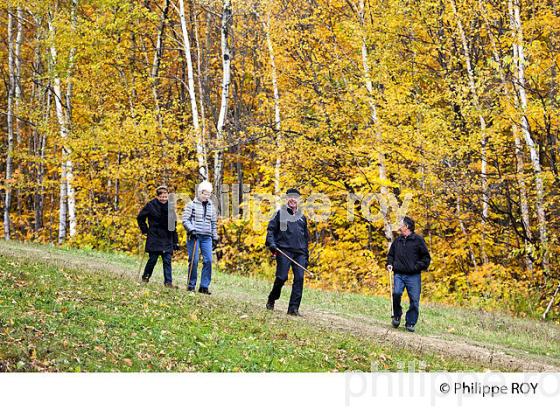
{"points": [[408, 257], [288, 238], [161, 238]]}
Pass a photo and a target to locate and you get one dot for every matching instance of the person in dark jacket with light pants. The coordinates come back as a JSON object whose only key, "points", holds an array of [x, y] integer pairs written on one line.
{"points": [[287, 234], [161, 238], [407, 258]]}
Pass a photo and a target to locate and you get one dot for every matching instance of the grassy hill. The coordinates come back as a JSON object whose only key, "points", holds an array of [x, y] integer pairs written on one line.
{"points": [[75, 310]]}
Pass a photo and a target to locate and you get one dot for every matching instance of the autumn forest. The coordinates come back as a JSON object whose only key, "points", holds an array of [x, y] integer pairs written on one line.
{"points": [[448, 108]]}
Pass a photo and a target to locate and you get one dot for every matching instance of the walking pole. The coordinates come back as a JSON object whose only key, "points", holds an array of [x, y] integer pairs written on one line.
{"points": [[191, 261], [290, 259], [390, 270]]}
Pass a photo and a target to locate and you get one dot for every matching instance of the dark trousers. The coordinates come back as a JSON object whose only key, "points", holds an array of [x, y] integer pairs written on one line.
{"points": [[152, 260], [413, 285], [282, 268]]}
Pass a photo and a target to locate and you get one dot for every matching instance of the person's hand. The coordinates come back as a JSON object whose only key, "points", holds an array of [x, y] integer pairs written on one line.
{"points": [[215, 243], [176, 247], [193, 235], [273, 250]]}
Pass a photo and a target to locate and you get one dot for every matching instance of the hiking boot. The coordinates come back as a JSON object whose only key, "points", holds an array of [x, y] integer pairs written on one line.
{"points": [[294, 312], [145, 280], [396, 322], [190, 289], [170, 285], [204, 291], [270, 305], [409, 328]]}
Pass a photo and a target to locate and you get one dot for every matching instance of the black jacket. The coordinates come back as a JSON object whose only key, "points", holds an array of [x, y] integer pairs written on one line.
{"points": [[409, 255], [288, 231], [159, 239]]}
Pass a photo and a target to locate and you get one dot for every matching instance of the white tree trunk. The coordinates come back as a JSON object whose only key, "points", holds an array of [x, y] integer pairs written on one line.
{"points": [[63, 129], [62, 204], [10, 120], [520, 166], [524, 204], [276, 95], [71, 193], [377, 130], [192, 94], [519, 57], [67, 202], [17, 75], [482, 122], [226, 79], [520, 162], [69, 165], [201, 94]]}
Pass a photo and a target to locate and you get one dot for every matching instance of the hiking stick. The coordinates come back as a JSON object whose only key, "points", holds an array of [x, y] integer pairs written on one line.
{"points": [[390, 271], [191, 261], [551, 302], [290, 259]]}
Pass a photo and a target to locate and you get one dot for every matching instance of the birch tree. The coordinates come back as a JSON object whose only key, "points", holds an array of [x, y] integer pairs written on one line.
{"points": [[10, 125], [226, 79], [17, 72], [200, 151], [266, 23], [202, 91], [519, 64], [276, 97], [378, 137], [520, 163], [67, 201]]}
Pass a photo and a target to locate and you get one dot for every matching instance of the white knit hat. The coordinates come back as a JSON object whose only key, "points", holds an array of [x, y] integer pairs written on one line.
{"points": [[204, 186]]}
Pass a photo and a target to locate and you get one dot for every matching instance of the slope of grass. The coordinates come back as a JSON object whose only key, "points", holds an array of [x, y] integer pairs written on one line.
{"points": [[454, 323], [496, 330], [59, 319]]}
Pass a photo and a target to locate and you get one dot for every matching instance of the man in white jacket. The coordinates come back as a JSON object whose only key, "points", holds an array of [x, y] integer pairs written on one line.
{"points": [[200, 219]]}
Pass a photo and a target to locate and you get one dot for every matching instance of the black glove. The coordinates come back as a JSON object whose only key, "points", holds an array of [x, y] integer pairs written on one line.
{"points": [[214, 244], [193, 235], [176, 247]]}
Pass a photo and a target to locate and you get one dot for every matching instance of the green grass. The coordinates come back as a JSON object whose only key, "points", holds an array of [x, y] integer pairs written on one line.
{"points": [[57, 319], [498, 331], [453, 323]]}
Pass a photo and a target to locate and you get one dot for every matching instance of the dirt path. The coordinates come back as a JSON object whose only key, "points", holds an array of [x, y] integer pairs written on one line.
{"points": [[488, 357]]}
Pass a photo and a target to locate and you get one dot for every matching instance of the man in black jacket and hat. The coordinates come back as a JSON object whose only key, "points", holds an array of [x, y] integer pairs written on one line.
{"points": [[408, 257], [288, 239], [161, 238]]}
